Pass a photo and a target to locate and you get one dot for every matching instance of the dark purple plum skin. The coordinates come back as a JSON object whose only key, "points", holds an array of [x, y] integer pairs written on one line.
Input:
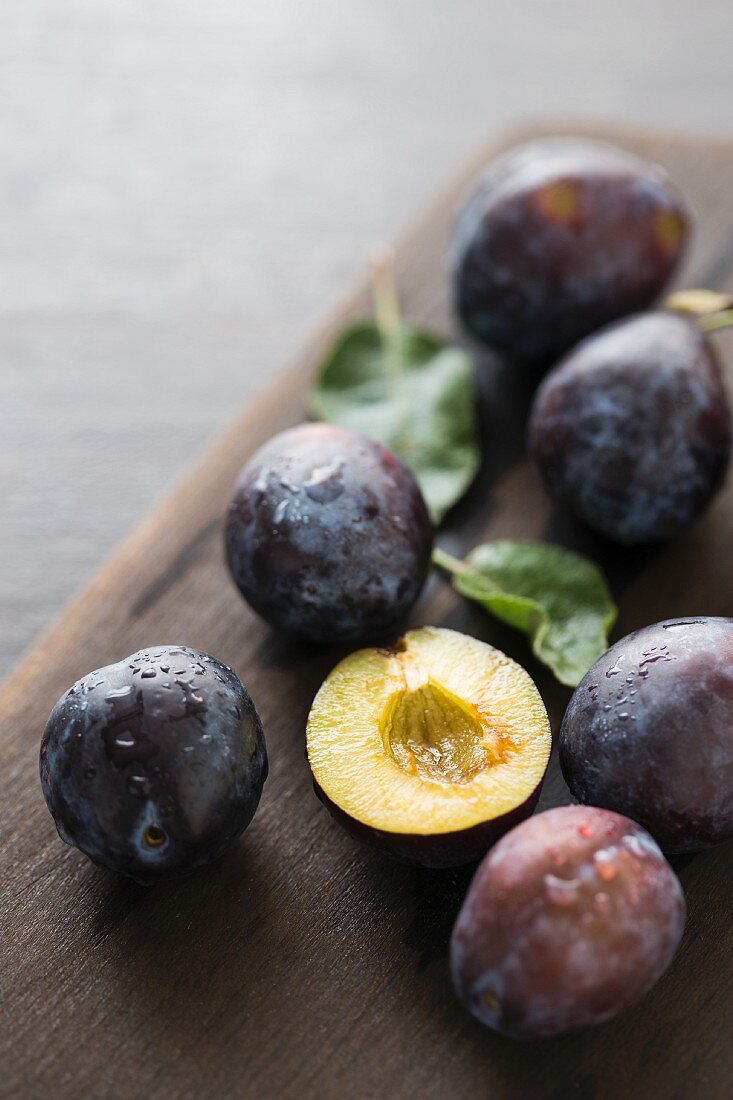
{"points": [[167, 738], [434, 850], [327, 535], [632, 430], [560, 237], [649, 732], [568, 921]]}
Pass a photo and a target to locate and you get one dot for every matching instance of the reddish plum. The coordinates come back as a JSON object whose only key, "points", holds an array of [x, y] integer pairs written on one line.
{"points": [[569, 920]]}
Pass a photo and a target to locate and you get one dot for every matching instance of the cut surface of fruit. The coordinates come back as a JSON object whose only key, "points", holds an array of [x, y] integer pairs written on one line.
{"points": [[439, 734]]}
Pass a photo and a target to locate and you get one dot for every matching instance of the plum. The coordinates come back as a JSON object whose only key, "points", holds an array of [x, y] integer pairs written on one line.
{"points": [[431, 749], [327, 535], [154, 765], [560, 237], [568, 921], [632, 430], [649, 732]]}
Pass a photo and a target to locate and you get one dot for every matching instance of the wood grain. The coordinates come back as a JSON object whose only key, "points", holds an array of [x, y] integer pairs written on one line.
{"points": [[302, 965]]}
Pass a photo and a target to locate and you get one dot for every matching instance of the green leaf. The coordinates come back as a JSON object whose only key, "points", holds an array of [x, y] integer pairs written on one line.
{"points": [[558, 598], [409, 390]]}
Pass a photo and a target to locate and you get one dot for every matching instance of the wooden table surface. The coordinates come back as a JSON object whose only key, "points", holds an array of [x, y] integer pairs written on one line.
{"points": [[186, 186], [301, 964]]}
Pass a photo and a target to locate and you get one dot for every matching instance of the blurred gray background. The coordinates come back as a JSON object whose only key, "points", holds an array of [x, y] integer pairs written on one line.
{"points": [[187, 185]]}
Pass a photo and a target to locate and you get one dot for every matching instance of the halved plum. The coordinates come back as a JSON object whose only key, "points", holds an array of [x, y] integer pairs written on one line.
{"points": [[430, 750]]}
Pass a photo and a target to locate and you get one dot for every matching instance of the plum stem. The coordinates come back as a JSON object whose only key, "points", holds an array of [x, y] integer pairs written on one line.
{"points": [[711, 309], [446, 561]]}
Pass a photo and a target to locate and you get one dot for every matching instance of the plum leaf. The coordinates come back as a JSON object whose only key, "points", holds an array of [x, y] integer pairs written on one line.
{"points": [[558, 598], [409, 390]]}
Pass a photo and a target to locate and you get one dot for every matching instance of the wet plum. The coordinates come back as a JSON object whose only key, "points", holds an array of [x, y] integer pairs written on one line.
{"points": [[569, 920], [327, 534], [649, 732], [632, 430], [154, 765], [560, 237]]}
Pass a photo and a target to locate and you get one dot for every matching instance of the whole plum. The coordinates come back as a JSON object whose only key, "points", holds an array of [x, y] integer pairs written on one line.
{"points": [[649, 732], [632, 430], [569, 920], [327, 534], [154, 765], [560, 237]]}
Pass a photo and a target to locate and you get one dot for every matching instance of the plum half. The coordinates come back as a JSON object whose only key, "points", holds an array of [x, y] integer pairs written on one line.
{"points": [[429, 750], [560, 237], [152, 766], [569, 920], [632, 429], [327, 535], [649, 732]]}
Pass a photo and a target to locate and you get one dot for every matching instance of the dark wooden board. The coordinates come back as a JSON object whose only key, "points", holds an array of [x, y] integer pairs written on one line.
{"points": [[301, 964]]}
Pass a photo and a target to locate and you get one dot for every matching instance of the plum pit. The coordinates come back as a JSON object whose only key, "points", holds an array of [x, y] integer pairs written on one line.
{"points": [[429, 732]]}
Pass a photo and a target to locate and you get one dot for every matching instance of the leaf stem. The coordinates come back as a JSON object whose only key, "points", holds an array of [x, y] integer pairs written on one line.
{"points": [[389, 325], [446, 561], [384, 291]]}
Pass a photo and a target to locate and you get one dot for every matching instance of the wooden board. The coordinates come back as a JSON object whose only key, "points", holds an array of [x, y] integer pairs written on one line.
{"points": [[301, 964]]}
